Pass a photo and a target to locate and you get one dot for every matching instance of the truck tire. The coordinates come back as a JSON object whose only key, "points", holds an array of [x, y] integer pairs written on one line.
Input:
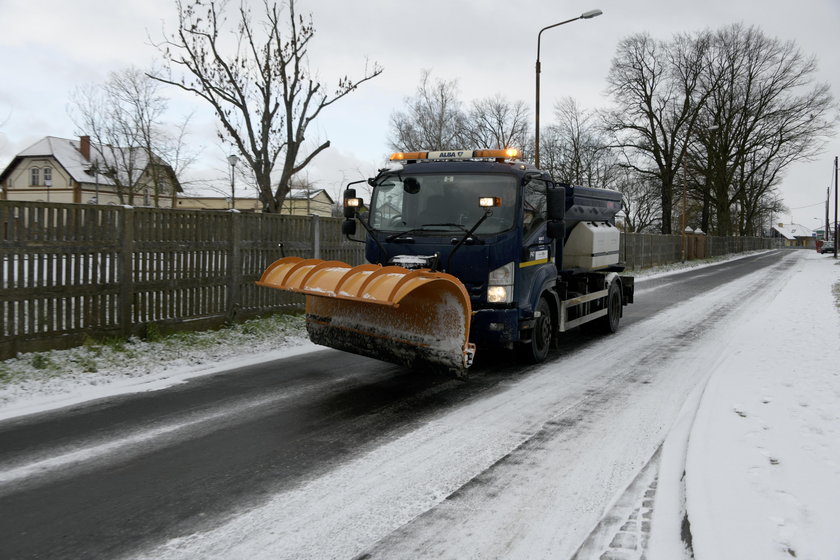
{"points": [[608, 324], [536, 350]]}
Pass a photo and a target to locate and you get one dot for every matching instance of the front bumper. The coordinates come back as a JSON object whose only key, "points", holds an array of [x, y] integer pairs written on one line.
{"points": [[495, 326]]}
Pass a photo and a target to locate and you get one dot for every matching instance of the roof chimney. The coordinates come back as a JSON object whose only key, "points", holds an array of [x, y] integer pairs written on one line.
{"points": [[84, 146]]}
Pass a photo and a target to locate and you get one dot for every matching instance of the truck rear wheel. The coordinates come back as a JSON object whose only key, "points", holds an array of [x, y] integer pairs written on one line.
{"points": [[609, 322], [536, 350]]}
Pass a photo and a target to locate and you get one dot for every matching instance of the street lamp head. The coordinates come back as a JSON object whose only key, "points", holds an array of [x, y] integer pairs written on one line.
{"points": [[233, 160], [585, 15]]}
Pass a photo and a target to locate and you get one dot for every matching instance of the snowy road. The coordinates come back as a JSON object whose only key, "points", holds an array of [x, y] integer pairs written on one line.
{"points": [[328, 455]]}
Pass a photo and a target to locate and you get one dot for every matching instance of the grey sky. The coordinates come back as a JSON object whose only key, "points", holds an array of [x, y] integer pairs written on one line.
{"points": [[48, 47]]}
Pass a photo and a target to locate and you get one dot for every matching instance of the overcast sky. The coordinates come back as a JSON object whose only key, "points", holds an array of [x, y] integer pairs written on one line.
{"points": [[48, 47]]}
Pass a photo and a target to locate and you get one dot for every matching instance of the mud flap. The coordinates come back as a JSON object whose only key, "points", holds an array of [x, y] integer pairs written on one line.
{"points": [[408, 317]]}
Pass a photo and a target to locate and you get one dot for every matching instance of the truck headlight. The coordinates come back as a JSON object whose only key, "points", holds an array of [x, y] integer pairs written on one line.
{"points": [[500, 284], [498, 294]]}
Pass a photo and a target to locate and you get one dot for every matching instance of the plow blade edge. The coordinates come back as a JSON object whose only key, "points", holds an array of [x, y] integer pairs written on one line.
{"points": [[390, 313]]}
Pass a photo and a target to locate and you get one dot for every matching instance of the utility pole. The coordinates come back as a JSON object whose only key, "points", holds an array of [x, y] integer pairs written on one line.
{"points": [[827, 224], [836, 237], [683, 221]]}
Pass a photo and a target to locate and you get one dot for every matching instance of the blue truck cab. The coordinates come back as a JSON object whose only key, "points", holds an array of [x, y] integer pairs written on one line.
{"points": [[500, 226]]}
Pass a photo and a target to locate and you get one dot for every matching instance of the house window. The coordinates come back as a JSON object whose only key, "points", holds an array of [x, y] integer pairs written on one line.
{"points": [[34, 176], [48, 176]]}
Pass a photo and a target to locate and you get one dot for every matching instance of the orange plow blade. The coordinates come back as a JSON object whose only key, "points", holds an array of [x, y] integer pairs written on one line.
{"points": [[391, 313]]}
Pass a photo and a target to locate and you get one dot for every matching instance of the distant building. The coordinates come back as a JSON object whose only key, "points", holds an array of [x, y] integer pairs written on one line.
{"points": [[794, 235], [79, 171], [308, 202], [218, 203], [820, 233], [299, 202]]}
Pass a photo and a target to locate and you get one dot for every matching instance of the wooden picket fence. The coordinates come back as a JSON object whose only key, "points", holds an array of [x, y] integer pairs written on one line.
{"points": [[72, 271], [69, 272], [645, 250]]}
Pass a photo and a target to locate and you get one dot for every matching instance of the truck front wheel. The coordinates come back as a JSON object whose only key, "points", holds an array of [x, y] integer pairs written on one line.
{"points": [[536, 350]]}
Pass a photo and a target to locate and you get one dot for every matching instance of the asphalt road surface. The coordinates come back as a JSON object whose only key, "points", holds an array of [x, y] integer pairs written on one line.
{"points": [[120, 476]]}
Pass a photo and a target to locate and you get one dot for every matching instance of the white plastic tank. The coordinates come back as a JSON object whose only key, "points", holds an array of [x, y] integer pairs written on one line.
{"points": [[591, 245]]}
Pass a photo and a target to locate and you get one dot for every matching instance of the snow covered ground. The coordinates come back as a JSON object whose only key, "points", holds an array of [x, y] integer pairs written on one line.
{"points": [[763, 457], [758, 442], [44, 381]]}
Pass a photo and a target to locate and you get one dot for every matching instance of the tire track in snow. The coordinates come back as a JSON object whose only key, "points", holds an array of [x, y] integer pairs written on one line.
{"points": [[438, 479], [566, 425]]}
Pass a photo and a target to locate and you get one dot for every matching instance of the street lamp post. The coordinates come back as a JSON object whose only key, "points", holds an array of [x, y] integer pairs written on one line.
{"points": [[232, 160], [586, 15], [95, 170]]}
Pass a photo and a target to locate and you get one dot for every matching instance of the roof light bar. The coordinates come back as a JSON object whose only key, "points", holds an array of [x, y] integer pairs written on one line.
{"points": [[401, 156], [508, 153]]}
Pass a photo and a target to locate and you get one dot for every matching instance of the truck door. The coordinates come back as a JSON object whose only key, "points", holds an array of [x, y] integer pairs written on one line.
{"points": [[535, 266], [536, 245]]}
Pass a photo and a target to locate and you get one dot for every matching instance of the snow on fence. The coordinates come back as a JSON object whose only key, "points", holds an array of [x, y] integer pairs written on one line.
{"points": [[72, 271]]}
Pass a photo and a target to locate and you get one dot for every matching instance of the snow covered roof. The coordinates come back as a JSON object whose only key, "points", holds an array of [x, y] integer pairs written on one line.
{"points": [[792, 231], [68, 154], [303, 194]]}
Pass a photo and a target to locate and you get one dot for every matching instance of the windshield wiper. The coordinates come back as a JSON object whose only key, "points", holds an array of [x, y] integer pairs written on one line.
{"points": [[468, 235], [422, 228]]}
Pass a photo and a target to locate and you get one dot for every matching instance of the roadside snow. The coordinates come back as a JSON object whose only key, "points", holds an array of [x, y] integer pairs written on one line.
{"points": [[45, 381], [763, 460]]}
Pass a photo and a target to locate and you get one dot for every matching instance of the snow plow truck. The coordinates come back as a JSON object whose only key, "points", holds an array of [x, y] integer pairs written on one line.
{"points": [[466, 249]]}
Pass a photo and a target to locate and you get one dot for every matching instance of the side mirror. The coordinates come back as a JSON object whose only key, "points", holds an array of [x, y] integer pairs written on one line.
{"points": [[556, 230], [348, 227], [556, 202], [351, 203]]}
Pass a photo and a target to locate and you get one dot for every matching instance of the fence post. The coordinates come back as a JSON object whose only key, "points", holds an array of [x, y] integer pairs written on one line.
{"points": [[643, 251], [235, 264], [126, 270], [316, 236]]}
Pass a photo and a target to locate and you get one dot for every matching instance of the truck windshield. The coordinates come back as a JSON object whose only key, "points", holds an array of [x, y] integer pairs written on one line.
{"points": [[441, 202]]}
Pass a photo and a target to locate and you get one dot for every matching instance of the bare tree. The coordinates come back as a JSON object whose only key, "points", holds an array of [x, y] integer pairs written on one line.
{"points": [[433, 118], [125, 119], [658, 91], [640, 203], [258, 83], [764, 114], [575, 148], [110, 128], [496, 123], [163, 144]]}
